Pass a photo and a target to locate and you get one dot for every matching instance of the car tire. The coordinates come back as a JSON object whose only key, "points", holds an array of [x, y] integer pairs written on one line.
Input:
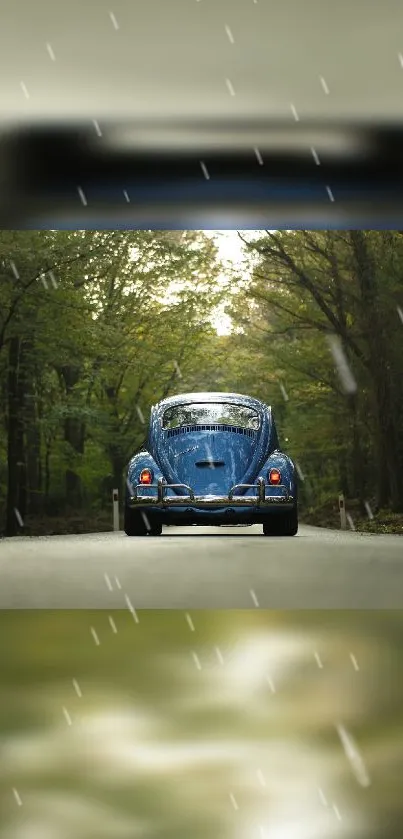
{"points": [[156, 529], [282, 524], [134, 525]]}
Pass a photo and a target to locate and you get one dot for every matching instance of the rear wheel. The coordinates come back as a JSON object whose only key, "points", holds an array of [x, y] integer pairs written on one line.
{"points": [[282, 524], [156, 530], [136, 524]]}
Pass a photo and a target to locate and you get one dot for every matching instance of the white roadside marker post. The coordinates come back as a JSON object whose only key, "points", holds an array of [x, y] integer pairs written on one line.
{"points": [[115, 497], [342, 509]]}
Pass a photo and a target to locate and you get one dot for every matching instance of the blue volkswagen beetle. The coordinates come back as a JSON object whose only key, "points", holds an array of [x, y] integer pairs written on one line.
{"points": [[211, 459]]}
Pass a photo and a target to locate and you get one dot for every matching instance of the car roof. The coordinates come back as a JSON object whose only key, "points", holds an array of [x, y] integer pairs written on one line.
{"points": [[211, 396]]}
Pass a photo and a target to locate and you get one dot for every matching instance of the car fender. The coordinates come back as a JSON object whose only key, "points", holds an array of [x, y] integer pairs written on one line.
{"points": [[282, 462], [140, 461]]}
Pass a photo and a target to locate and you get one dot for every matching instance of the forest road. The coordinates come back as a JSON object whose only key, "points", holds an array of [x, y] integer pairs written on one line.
{"points": [[203, 568]]}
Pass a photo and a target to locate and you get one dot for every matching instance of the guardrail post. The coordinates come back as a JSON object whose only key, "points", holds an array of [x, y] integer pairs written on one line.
{"points": [[115, 500], [342, 510]]}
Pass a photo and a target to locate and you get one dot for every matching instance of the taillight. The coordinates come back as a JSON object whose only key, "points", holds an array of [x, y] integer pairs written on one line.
{"points": [[274, 477], [146, 476]]}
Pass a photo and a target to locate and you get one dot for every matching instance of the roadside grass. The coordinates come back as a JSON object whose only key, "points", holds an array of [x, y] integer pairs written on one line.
{"points": [[327, 515], [73, 522]]}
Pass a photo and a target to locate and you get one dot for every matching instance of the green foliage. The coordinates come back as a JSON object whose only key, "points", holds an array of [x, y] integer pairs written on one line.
{"points": [[304, 287], [94, 328]]}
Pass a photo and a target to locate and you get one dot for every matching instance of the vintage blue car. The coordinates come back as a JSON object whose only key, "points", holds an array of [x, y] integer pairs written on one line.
{"points": [[211, 459]]}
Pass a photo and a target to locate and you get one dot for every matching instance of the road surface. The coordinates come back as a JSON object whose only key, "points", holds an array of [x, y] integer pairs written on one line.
{"points": [[203, 568]]}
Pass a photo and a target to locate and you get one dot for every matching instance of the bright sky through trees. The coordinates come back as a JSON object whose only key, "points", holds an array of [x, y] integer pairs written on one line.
{"points": [[231, 251]]}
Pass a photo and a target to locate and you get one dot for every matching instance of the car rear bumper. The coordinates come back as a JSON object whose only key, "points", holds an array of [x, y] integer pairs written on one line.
{"points": [[160, 500]]}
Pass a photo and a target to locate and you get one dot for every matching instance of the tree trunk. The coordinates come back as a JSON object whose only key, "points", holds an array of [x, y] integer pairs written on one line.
{"points": [[118, 465], [389, 471], [48, 449], [22, 463], [117, 455], [357, 482], [358, 463], [15, 440], [344, 482], [74, 436], [33, 441]]}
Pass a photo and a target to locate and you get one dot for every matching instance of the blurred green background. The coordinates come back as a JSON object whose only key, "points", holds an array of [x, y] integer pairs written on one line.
{"points": [[209, 724]]}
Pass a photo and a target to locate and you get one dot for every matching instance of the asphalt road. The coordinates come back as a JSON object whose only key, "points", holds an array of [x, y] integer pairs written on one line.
{"points": [[203, 568]]}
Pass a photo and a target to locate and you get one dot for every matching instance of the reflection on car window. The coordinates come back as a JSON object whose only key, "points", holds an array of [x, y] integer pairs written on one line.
{"points": [[210, 414]]}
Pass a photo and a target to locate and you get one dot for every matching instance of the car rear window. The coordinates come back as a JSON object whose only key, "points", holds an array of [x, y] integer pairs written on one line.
{"points": [[211, 413]]}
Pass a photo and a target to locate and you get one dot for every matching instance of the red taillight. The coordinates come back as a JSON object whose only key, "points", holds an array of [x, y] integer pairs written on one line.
{"points": [[274, 477], [146, 476]]}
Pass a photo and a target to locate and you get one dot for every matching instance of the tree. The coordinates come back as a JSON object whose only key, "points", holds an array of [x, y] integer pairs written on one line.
{"points": [[306, 286], [93, 324]]}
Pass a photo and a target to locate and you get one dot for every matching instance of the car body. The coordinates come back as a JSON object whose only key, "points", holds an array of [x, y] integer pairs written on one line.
{"points": [[211, 459]]}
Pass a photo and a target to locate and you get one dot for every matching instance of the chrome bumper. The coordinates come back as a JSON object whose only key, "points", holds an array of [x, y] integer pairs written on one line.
{"points": [[205, 501]]}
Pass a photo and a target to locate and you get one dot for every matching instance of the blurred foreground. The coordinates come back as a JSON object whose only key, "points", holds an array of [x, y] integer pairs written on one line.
{"points": [[213, 724]]}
